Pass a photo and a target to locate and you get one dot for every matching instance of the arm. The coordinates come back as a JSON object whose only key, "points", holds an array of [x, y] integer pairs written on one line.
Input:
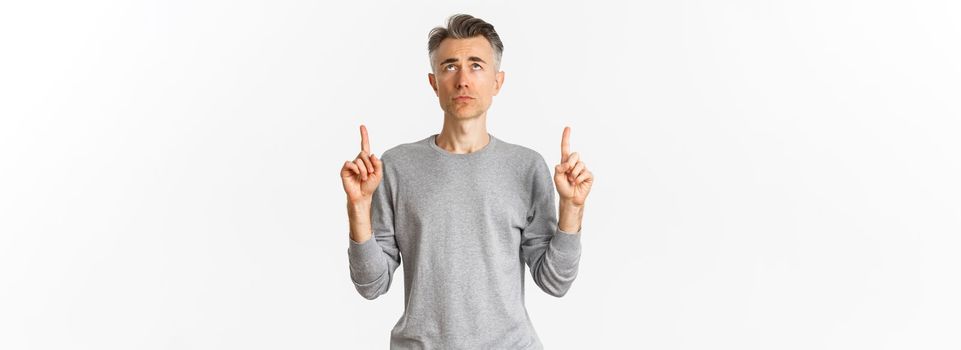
{"points": [[552, 253], [554, 256], [373, 254], [372, 261]]}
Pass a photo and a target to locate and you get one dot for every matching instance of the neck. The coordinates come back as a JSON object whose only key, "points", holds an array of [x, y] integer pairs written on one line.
{"points": [[463, 135]]}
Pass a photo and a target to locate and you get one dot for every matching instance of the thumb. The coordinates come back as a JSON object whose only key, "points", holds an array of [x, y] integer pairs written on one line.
{"points": [[560, 173], [378, 165]]}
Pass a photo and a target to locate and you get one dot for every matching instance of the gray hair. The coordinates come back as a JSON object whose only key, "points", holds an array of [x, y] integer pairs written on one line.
{"points": [[463, 26]]}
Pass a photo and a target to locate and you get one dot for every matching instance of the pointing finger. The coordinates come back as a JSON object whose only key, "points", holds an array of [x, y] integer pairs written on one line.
{"points": [[566, 144], [364, 141]]}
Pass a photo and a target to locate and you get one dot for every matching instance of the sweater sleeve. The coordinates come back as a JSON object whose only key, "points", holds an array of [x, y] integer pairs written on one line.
{"points": [[373, 262], [553, 255]]}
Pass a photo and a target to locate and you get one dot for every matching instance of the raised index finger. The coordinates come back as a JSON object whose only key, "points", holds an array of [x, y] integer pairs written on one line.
{"points": [[364, 142], [566, 144]]}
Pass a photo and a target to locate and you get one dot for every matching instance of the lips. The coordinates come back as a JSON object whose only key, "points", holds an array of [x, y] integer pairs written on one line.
{"points": [[463, 98]]}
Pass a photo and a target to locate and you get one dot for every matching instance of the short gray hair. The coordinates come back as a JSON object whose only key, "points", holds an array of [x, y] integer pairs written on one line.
{"points": [[463, 26]]}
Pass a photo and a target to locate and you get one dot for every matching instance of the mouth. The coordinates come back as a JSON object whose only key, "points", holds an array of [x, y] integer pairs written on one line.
{"points": [[463, 98]]}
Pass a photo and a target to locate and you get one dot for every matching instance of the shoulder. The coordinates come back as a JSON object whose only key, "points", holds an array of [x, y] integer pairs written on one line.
{"points": [[406, 151], [519, 154], [522, 156]]}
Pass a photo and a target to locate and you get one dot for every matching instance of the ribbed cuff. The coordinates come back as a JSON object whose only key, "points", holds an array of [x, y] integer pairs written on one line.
{"points": [[567, 243], [366, 259]]}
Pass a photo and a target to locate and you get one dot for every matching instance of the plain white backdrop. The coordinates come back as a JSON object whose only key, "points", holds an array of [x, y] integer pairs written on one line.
{"points": [[770, 174]]}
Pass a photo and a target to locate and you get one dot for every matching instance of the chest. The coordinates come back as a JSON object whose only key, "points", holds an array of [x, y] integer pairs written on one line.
{"points": [[465, 198]]}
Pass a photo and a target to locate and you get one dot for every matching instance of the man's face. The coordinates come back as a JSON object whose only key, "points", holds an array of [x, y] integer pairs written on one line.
{"points": [[465, 79]]}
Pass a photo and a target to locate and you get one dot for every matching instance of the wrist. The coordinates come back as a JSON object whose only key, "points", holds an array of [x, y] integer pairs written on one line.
{"points": [[359, 214], [359, 211], [359, 204], [569, 217], [569, 204]]}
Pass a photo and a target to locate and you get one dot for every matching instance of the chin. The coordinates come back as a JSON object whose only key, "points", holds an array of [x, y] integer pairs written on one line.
{"points": [[471, 115], [465, 113]]}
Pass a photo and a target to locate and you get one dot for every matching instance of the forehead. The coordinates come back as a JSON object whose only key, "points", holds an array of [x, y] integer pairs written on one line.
{"points": [[475, 46]]}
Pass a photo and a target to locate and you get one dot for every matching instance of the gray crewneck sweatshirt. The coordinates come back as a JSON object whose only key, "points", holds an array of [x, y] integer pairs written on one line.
{"points": [[465, 225]]}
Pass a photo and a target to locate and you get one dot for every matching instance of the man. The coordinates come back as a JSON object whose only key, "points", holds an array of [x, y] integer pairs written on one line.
{"points": [[466, 211]]}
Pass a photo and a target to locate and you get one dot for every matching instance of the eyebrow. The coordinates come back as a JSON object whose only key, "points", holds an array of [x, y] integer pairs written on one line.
{"points": [[454, 59]]}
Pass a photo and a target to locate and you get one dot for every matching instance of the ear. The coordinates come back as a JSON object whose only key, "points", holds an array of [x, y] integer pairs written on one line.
{"points": [[433, 82], [498, 82]]}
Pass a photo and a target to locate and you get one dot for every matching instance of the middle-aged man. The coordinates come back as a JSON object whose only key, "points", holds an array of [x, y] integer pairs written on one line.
{"points": [[466, 211]]}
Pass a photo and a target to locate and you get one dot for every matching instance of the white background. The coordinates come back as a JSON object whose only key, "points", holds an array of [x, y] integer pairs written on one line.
{"points": [[770, 174]]}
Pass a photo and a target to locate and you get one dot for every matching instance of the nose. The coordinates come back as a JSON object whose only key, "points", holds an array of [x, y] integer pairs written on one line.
{"points": [[462, 79]]}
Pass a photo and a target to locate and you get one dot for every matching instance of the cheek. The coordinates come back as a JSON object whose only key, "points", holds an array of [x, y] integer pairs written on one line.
{"points": [[448, 87]]}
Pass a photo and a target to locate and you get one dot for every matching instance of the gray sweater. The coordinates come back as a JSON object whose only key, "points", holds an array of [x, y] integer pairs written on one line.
{"points": [[465, 225]]}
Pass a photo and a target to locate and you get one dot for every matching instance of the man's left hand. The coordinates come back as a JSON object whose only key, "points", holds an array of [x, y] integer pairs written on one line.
{"points": [[571, 176]]}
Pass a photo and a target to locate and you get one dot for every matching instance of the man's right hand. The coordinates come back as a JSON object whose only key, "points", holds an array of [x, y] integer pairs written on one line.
{"points": [[362, 176]]}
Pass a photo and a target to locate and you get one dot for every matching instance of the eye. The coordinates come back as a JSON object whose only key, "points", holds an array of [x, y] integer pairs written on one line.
{"points": [[478, 65], [447, 67]]}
